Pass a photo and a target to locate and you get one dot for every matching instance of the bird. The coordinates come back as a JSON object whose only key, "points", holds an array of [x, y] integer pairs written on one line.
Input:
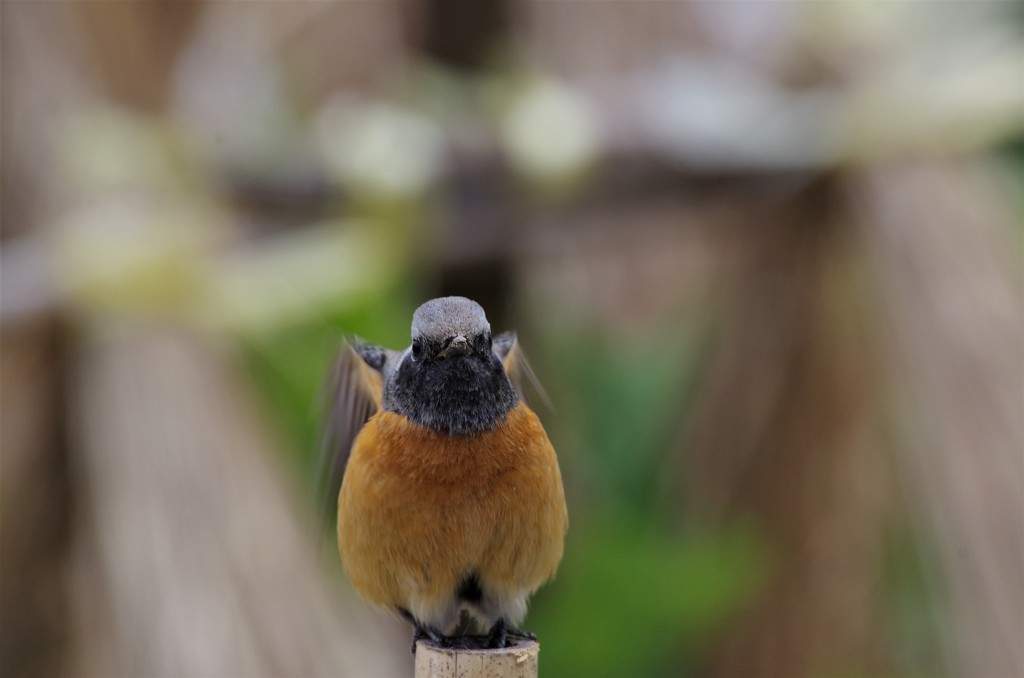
{"points": [[450, 507]]}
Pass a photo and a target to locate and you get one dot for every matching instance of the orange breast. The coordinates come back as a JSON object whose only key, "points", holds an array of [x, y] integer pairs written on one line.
{"points": [[419, 511]]}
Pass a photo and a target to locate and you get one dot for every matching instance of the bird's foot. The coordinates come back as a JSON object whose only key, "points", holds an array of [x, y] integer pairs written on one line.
{"points": [[500, 633], [422, 632], [520, 633]]}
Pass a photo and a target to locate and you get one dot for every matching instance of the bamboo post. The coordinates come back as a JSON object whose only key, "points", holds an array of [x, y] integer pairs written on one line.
{"points": [[518, 660]]}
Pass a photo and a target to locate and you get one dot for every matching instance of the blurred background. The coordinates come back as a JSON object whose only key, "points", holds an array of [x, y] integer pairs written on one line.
{"points": [[766, 259]]}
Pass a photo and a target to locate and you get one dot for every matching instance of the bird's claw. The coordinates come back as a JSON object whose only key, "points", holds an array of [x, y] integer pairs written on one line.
{"points": [[430, 634], [500, 632]]}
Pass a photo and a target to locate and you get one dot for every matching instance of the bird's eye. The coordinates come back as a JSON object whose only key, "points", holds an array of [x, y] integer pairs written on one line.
{"points": [[417, 348]]}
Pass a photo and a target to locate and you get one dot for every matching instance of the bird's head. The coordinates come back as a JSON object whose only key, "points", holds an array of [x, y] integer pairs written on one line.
{"points": [[449, 327], [450, 379]]}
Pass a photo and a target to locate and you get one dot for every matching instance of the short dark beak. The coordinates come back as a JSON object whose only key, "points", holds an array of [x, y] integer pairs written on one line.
{"points": [[457, 346]]}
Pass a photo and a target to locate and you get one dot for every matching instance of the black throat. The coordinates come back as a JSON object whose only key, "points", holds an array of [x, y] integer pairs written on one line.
{"points": [[458, 395]]}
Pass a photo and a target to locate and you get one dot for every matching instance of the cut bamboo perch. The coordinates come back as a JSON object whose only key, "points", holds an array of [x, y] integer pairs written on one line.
{"points": [[518, 660]]}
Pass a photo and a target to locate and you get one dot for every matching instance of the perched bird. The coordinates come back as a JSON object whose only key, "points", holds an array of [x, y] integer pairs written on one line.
{"points": [[451, 508]]}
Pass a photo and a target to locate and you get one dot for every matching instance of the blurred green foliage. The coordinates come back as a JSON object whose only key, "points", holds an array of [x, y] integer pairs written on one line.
{"points": [[635, 600], [1012, 155], [290, 364], [913, 604], [637, 590], [625, 399]]}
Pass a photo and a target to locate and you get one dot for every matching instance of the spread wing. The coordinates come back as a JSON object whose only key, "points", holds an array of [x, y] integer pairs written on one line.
{"points": [[353, 394], [517, 367]]}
